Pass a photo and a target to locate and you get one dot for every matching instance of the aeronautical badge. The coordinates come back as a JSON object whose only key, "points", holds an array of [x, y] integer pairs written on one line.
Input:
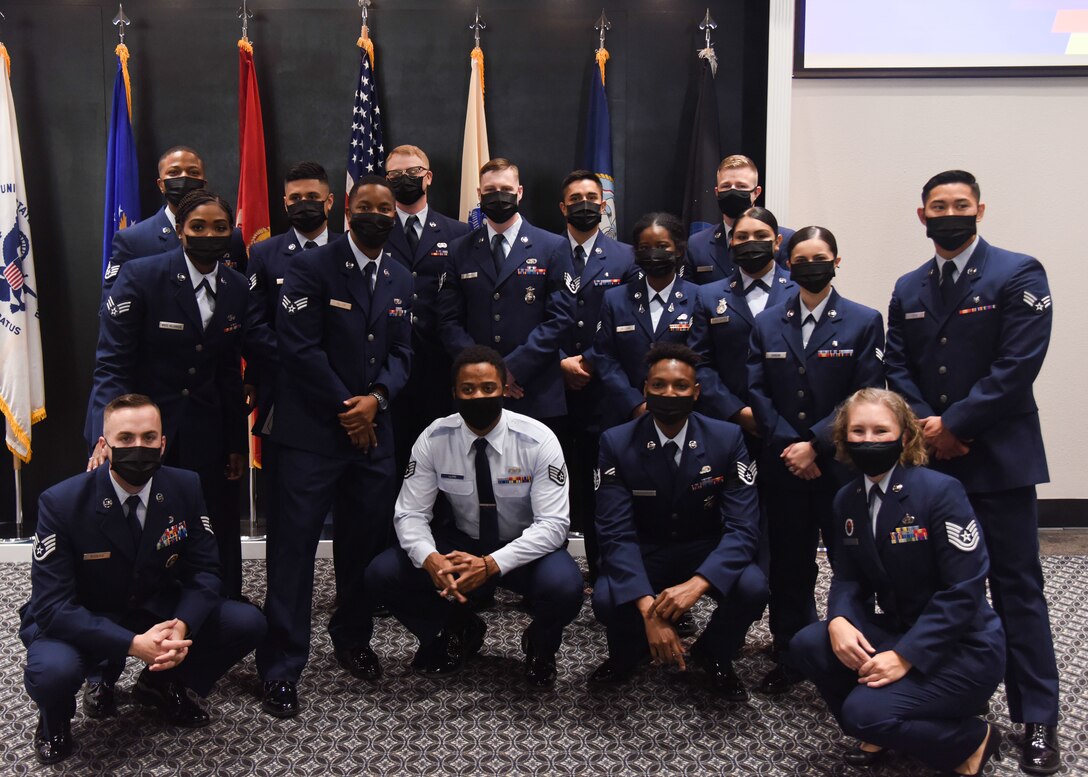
{"points": [[963, 538], [908, 519], [111, 271], [848, 527], [747, 473], [705, 470], [596, 478], [172, 560], [558, 475], [410, 470], [206, 523], [722, 306], [530, 295], [1038, 304], [116, 309], [253, 281], [43, 546], [294, 306], [572, 283], [879, 355], [531, 260]]}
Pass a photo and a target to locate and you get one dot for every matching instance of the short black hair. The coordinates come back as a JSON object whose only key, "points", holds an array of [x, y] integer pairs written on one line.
{"points": [[369, 180], [579, 175], [176, 149], [762, 215], [951, 176], [306, 171], [672, 225], [194, 200], [663, 351], [478, 354], [813, 233]]}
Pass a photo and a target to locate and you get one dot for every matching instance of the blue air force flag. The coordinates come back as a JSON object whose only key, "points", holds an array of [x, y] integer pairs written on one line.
{"points": [[122, 186], [22, 384], [598, 149]]}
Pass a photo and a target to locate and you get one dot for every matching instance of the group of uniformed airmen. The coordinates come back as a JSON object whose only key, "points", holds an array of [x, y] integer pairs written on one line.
{"points": [[458, 398]]}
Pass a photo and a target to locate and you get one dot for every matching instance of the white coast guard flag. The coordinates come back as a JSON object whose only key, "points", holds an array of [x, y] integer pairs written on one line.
{"points": [[22, 385], [474, 153]]}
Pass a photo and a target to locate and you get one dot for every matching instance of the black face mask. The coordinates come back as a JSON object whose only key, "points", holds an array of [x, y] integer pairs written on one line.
{"points": [[812, 276], [481, 412], [407, 189], [669, 410], [950, 232], [176, 188], [371, 229], [875, 458], [733, 202], [500, 207], [135, 465], [656, 262], [753, 255], [584, 215], [306, 215], [207, 249]]}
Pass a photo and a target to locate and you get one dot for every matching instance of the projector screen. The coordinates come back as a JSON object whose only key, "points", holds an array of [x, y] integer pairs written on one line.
{"points": [[941, 37]]}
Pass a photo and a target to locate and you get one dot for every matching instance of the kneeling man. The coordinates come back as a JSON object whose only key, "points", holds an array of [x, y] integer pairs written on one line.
{"points": [[125, 564], [503, 478], [677, 519]]}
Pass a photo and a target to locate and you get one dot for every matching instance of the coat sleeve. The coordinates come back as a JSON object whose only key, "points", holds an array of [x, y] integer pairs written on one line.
{"points": [[715, 398], [775, 430], [1026, 320], [621, 558], [120, 325], [452, 306], [617, 387], [398, 359], [541, 348], [53, 604], [897, 361], [228, 379], [849, 589], [199, 566]]}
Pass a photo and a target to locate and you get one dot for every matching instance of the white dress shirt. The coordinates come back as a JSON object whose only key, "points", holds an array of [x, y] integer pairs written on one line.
{"points": [[321, 239], [526, 465], [878, 501], [204, 301], [509, 236], [403, 217], [657, 308], [123, 496], [680, 438], [959, 261], [757, 298], [808, 327], [586, 246], [361, 259]]}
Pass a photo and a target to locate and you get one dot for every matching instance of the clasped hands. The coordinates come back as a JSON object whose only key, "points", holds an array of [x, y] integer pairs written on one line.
{"points": [[163, 646], [940, 440], [458, 573], [358, 421], [660, 614], [854, 651]]}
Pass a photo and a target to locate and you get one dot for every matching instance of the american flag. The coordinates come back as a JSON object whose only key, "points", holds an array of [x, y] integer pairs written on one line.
{"points": [[14, 276], [366, 154]]}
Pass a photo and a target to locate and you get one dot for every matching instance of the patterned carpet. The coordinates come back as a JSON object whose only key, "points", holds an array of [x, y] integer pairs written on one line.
{"points": [[486, 722]]}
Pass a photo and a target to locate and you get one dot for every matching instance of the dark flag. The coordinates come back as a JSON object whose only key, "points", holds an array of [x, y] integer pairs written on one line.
{"points": [[700, 202]]}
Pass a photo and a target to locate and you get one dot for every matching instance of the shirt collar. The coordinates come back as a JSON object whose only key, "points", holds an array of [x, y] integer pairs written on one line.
{"points": [[883, 482], [586, 246], [511, 233], [198, 277], [321, 239], [817, 313], [680, 438], [961, 259], [171, 218], [361, 259], [403, 216], [665, 292], [495, 437], [123, 495], [748, 280]]}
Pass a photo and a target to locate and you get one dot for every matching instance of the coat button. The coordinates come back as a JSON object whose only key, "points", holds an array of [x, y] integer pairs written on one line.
{"points": [[942, 369], [497, 295], [498, 317], [373, 360], [415, 296], [581, 302], [185, 392], [675, 517], [199, 347], [577, 346], [944, 398], [414, 274], [498, 338], [800, 370], [192, 370], [370, 338], [581, 324], [944, 341], [801, 416], [801, 393]]}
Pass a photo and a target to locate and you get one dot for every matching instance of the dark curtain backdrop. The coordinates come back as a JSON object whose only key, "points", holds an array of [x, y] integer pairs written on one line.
{"points": [[539, 59]]}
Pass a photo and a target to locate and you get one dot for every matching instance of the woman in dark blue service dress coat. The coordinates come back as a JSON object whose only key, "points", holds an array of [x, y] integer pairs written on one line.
{"points": [[911, 646], [657, 306], [805, 357]]}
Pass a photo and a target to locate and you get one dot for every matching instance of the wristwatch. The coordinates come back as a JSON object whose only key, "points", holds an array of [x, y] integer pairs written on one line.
{"points": [[383, 403]]}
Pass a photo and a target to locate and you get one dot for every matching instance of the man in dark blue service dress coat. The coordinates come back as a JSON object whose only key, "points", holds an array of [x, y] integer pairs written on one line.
{"points": [[710, 257], [510, 286], [344, 333], [421, 242], [125, 564], [967, 334], [677, 519]]}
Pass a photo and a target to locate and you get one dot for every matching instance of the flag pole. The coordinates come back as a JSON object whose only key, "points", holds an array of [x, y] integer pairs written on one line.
{"points": [[18, 539]]}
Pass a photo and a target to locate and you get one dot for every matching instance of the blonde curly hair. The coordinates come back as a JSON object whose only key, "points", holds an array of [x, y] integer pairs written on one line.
{"points": [[914, 447]]}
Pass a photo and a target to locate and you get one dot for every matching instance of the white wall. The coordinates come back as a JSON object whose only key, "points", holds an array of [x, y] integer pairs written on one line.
{"points": [[860, 150]]}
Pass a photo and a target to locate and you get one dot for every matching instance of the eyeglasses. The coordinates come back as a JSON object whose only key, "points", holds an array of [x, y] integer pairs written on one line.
{"points": [[412, 172]]}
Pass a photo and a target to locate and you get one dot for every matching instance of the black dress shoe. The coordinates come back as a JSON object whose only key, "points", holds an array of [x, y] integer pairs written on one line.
{"points": [[172, 699], [1039, 750], [280, 699], [99, 700], [454, 646], [612, 672], [723, 679], [855, 756], [685, 627], [52, 749], [539, 668], [360, 662], [779, 680]]}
